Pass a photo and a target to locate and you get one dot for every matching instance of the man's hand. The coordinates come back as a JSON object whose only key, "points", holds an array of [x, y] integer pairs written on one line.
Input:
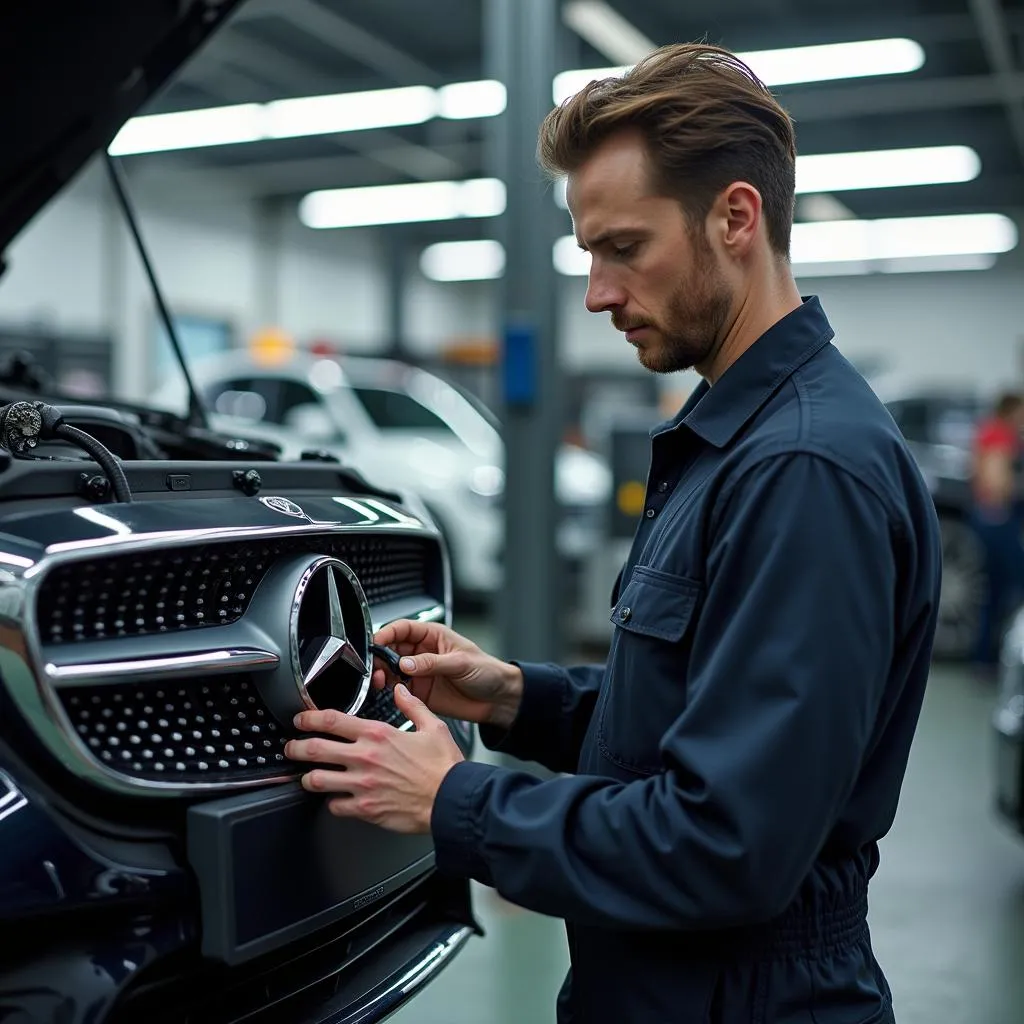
{"points": [[450, 674], [384, 776]]}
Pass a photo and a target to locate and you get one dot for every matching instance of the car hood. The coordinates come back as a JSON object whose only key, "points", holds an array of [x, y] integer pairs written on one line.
{"points": [[71, 75]]}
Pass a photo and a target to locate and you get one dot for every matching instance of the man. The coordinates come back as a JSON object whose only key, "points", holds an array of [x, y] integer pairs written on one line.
{"points": [[997, 520], [741, 753]]}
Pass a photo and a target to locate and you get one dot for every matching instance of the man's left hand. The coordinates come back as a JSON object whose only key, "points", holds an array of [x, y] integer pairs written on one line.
{"points": [[384, 776]]}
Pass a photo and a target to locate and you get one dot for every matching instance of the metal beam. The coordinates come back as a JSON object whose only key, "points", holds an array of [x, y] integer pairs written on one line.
{"points": [[519, 47], [992, 27], [809, 103], [181, 172], [262, 61], [356, 42]]}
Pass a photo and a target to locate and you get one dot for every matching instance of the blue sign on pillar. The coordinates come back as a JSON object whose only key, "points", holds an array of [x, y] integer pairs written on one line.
{"points": [[519, 365]]}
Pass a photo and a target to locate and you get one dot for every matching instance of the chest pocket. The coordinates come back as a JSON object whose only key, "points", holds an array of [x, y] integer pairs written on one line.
{"points": [[645, 689]]}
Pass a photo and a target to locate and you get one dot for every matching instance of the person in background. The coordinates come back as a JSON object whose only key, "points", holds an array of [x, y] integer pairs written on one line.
{"points": [[996, 516], [722, 782]]}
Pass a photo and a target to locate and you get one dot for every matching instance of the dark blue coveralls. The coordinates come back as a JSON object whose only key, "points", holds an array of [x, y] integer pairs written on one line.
{"points": [[741, 753]]}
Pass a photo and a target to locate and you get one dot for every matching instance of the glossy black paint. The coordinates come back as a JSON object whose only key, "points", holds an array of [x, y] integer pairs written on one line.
{"points": [[79, 982], [44, 870]]}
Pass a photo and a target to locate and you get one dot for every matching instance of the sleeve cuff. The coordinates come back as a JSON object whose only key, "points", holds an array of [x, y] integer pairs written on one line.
{"points": [[454, 822], [535, 735]]}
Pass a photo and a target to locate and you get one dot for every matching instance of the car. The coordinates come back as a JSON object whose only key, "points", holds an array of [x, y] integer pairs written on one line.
{"points": [[170, 596], [938, 424], [410, 428], [1008, 727]]}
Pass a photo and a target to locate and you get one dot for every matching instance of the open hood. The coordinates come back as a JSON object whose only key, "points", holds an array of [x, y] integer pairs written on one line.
{"points": [[71, 74]]}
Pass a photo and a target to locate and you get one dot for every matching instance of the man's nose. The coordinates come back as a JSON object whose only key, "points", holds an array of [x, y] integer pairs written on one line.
{"points": [[602, 294]]}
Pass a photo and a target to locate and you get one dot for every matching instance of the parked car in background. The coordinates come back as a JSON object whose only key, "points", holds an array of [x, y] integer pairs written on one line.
{"points": [[1008, 728], [405, 427], [939, 427]]}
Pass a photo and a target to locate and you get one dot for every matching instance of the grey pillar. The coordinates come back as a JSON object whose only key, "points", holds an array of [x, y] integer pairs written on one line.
{"points": [[519, 40], [395, 260]]}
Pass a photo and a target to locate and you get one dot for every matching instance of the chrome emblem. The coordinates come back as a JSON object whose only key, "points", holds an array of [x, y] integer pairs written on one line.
{"points": [[284, 506], [330, 637]]}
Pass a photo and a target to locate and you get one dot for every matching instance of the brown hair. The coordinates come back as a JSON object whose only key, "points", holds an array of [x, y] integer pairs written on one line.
{"points": [[1008, 403], [707, 121]]}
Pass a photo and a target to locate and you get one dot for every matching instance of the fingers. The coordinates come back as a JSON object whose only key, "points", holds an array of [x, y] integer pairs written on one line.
{"points": [[319, 751], [404, 631], [413, 708], [429, 664], [333, 723]]}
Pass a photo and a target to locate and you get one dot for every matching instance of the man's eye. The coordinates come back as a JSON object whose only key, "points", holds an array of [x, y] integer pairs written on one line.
{"points": [[623, 251]]}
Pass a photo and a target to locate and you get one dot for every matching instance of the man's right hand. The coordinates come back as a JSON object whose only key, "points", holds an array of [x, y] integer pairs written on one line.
{"points": [[450, 674]]}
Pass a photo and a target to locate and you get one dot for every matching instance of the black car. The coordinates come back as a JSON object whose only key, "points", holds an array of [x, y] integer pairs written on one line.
{"points": [[169, 598], [939, 427]]}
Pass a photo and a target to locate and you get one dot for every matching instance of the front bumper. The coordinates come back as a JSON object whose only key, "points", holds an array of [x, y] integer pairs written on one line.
{"points": [[121, 978]]}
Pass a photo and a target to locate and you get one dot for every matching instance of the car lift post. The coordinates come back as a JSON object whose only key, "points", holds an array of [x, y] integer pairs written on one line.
{"points": [[519, 49]]}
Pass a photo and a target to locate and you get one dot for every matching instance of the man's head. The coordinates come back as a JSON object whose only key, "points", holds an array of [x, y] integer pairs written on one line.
{"points": [[1010, 407], [681, 186]]}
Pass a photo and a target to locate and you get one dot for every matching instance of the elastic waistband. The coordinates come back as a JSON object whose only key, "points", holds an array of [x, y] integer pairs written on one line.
{"points": [[803, 929]]}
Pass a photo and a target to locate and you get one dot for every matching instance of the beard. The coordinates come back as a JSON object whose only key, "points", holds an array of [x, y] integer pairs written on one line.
{"points": [[690, 329]]}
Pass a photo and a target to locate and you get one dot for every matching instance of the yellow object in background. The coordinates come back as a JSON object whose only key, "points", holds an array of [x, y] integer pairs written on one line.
{"points": [[631, 497], [271, 346]]}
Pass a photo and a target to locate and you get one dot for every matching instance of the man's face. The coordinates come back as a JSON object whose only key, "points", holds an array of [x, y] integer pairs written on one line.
{"points": [[655, 274]]}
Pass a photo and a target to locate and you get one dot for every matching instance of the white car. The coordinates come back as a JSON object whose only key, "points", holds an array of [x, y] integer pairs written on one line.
{"points": [[406, 428]]}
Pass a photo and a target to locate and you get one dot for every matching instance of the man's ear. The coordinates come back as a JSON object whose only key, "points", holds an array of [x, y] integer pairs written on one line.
{"points": [[737, 216]]}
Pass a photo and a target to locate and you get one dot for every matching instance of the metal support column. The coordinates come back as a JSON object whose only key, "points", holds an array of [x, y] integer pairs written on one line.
{"points": [[519, 41], [395, 260]]}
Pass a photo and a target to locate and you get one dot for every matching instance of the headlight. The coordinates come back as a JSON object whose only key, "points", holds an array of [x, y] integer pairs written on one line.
{"points": [[487, 482]]}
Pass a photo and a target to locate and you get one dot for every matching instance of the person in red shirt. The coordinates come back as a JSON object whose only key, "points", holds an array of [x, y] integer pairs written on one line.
{"points": [[997, 519]]}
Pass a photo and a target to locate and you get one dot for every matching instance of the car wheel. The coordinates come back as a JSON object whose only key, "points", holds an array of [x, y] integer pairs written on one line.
{"points": [[963, 588]]}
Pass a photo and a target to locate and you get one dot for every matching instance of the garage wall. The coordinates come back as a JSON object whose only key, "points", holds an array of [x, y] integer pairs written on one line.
{"points": [[74, 268]]}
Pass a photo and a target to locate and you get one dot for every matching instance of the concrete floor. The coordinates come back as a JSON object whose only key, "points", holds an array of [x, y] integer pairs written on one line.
{"points": [[947, 905]]}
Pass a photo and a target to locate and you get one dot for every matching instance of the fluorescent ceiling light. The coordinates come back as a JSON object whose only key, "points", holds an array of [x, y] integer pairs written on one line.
{"points": [[569, 258], [606, 30], [481, 260], [897, 238], [403, 204], [286, 119], [349, 112], [905, 265], [471, 99], [188, 129], [886, 168], [791, 65], [822, 206]]}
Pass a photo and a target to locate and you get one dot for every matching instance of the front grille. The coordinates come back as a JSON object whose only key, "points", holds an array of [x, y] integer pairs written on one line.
{"points": [[207, 585], [194, 731]]}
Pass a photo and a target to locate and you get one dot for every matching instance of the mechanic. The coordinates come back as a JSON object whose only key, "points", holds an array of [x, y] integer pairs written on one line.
{"points": [[733, 765], [996, 516]]}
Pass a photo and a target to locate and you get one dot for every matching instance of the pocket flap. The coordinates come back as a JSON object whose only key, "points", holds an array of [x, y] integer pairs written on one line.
{"points": [[656, 603]]}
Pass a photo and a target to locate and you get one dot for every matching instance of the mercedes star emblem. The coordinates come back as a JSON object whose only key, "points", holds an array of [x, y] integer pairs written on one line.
{"points": [[330, 636], [312, 610], [325, 651]]}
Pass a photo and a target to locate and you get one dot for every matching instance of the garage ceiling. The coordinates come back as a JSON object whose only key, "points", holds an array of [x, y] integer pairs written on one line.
{"points": [[970, 91]]}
